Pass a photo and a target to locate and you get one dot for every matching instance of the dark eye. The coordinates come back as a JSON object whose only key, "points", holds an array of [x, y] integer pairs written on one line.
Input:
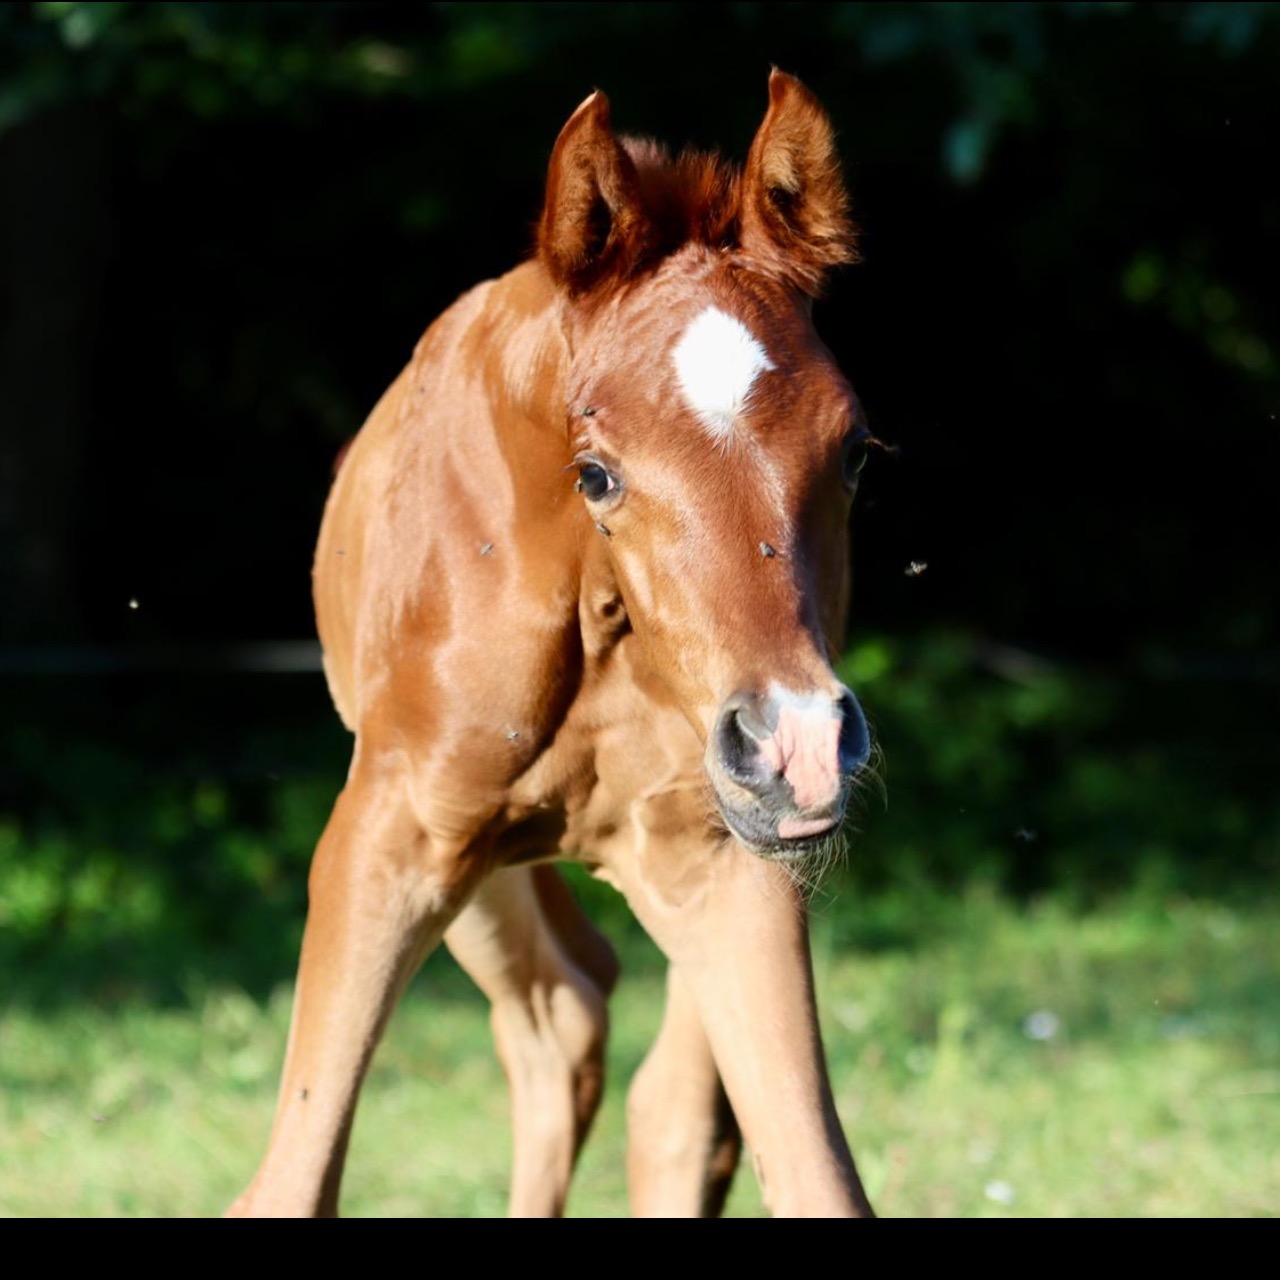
{"points": [[853, 455], [594, 481]]}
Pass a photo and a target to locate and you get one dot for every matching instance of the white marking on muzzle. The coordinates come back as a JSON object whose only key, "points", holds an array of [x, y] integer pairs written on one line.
{"points": [[805, 746], [718, 360]]}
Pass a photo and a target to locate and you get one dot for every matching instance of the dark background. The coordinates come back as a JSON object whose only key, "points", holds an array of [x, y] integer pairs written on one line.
{"points": [[223, 228]]}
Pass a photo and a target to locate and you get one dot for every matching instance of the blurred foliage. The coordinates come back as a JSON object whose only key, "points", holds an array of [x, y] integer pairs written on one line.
{"points": [[135, 855], [1001, 766], [214, 59], [1065, 320], [1070, 213], [132, 855]]}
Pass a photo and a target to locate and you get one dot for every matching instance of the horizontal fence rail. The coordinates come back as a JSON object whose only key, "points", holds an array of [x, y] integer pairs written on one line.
{"points": [[268, 657], [275, 657]]}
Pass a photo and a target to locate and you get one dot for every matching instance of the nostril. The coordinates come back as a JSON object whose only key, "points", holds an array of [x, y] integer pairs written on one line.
{"points": [[855, 739], [737, 746], [757, 718], [744, 735]]}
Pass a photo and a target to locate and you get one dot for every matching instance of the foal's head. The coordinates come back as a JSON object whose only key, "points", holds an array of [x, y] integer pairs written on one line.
{"points": [[717, 444]]}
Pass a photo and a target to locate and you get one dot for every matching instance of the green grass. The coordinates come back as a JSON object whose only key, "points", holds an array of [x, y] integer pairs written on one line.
{"points": [[1154, 1090]]}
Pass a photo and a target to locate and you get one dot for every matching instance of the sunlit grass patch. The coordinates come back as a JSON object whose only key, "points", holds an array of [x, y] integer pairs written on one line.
{"points": [[1028, 1060]]}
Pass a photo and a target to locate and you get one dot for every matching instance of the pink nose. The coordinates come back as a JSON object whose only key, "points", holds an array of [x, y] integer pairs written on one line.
{"points": [[805, 750], [793, 753]]}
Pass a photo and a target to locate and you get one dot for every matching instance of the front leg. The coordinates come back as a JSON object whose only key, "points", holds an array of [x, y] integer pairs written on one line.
{"points": [[381, 897], [736, 928], [683, 1141]]}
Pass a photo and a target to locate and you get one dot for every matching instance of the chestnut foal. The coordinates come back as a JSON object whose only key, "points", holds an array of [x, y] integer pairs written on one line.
{"points": [[578, 582]]}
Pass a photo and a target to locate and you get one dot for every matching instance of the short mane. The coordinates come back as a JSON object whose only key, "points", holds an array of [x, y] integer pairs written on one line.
{"points": [[691, 199], [615, 207]]}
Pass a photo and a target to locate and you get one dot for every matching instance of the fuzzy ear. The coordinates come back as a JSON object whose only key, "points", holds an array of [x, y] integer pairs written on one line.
{"points": [[594, 222], [795, 209]]}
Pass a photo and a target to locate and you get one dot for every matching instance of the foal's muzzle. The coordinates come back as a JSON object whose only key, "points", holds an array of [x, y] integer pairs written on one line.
{"points": [[782, 764]]}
